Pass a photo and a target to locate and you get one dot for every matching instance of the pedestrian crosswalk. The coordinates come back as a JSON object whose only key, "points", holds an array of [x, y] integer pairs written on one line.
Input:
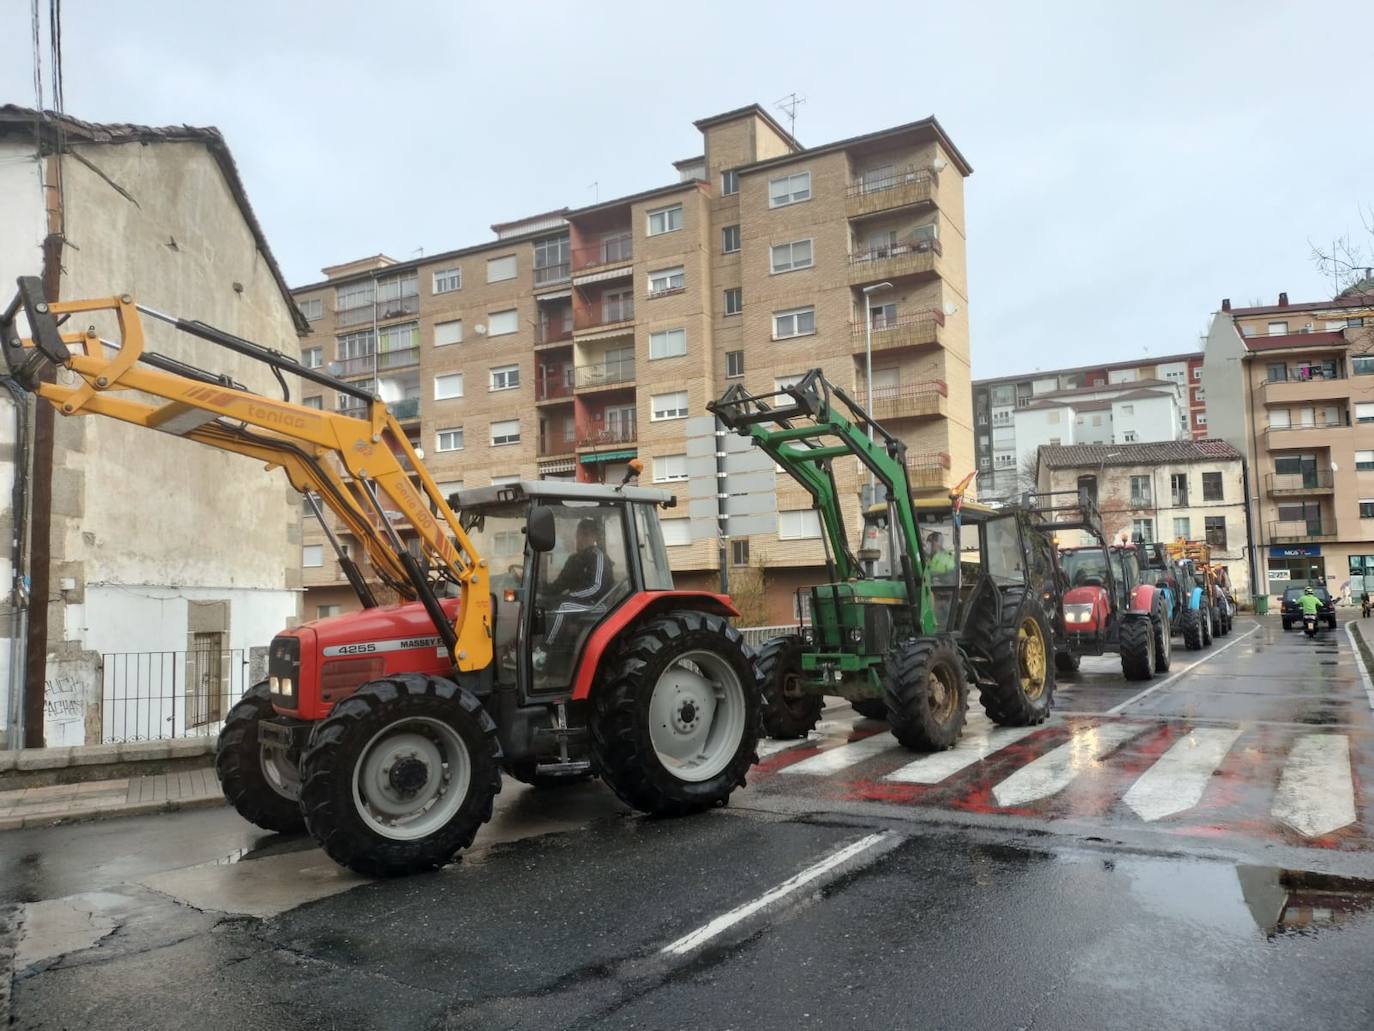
{"points": [[1294, 782]]}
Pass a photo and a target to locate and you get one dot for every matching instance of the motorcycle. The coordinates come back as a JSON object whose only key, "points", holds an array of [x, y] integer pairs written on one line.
{"points": [[1309, 624]]}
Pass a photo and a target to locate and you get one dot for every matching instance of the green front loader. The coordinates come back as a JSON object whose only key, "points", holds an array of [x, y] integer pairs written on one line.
{"points": [[939, 596]]}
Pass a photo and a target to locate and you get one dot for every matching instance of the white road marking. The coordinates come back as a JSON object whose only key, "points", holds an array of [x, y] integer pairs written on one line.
{"points": [[725, 921], [1180, 776], [767, 746], [971, 748], [1054, 770], [835, 759], [1359, 663], [1316, 794], [1170, 679]]}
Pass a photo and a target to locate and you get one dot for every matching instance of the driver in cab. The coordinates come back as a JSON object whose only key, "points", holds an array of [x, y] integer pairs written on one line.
{"points": [[940, 559]]}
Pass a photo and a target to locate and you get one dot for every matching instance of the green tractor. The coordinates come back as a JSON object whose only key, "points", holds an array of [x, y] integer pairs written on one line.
{"points": [[940, 597]]}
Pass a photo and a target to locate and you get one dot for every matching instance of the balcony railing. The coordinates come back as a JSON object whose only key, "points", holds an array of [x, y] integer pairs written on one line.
{"points": [[607, 313], [612, 250], [353, 316], [363, 364], [898, 188], [552, 446], [896, 259], [905, 399], [910, 329], [391, 308], [552, 387], [927, 468], [1309, 482], [546, 274], [623, 433], [1320, 424], [553, 332], [1142, 501], [605, 374], [405, 409], [1294, 531]]}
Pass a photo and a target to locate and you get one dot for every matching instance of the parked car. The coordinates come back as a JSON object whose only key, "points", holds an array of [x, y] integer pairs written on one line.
{"points": [[1291, 607]]}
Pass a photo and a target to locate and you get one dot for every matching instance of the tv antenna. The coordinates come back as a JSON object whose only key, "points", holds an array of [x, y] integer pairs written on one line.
{"points": [[788, 105], [596, 188]]}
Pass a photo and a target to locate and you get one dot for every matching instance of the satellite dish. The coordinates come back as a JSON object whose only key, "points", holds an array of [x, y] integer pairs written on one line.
{"points": [[334, 368], [950, 309], [481, 329], [939, 164]]}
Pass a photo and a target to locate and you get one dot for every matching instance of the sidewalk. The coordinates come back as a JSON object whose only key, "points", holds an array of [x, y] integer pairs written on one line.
{"points": [[124, 796]]}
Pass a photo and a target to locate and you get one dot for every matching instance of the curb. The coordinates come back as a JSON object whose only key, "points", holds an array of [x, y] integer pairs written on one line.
{"points": [[14, 823]]}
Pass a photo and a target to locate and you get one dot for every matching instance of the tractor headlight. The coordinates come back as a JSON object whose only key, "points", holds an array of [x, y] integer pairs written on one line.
{"points": [[288, 687], [274, 685], [808, 636], [1079, 612]]}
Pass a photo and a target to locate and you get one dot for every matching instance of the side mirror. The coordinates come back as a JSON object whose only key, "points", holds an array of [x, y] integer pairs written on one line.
{"points": [[540, 530]]}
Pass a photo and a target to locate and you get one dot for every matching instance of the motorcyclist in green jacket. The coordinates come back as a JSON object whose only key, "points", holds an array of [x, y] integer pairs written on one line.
{"points": [[1310, 603]]}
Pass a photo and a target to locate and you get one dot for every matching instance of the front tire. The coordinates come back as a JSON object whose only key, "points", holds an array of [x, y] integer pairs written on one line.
{"points": [[261, 784], [1021, 691], [401, 775], [927, 693], [676, 717], [1137, 649], [1191, 623], [789, 709], [870, 708]]}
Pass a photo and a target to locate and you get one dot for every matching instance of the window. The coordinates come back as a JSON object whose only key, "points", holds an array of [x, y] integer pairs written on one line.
{"points": [[1362, 365], [448, 487], [1197, 372], [1276, 372], [325, 611], [670, 468], [311, 309], [313, 402], [356, 345], [882, 316], [448, 280], [398, 338], [1143, 529], [676, 532], [1128, 437], [505, 377], [1216, 531], [354, 295], [796, 526], [729, 239], [448, 333], [1364, 461], [666, 280], [449, 440], [1364, 412], [667, 343], [789, 189], [729, 182], [312, 357], [499, 323], [794, 323], [1355, 323], [312, 556], [1178, 490], [739, 552], [786, 257], [734, 364], [665, 220], [1367, 508], [552, 260], [734, 300], [506, 431], [1199, 395], [1141, 493], [1128, 409], [1211, 487], [501, 269], [1278, 329], [668, 406], [1183, 528], [450, 386]]}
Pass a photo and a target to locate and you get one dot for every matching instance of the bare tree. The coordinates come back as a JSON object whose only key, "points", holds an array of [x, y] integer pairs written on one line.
{"points": [[1347, 261]]}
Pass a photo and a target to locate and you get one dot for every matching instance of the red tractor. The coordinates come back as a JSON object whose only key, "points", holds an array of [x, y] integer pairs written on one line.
{"points": [[1108, 605]]}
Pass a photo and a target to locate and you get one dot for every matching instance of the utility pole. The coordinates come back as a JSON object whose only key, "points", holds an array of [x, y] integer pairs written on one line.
{"points": [[868, 291]]}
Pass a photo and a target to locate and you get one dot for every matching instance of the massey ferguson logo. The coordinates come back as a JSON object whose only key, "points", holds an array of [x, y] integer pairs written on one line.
{"points": [[403, 644]]}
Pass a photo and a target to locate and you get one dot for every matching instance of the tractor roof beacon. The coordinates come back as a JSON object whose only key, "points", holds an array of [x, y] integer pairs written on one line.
{"points": [[911, 620], [538, 635]]}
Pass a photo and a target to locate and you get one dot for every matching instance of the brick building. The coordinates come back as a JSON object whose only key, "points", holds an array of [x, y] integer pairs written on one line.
{"points": [[580, 338]]}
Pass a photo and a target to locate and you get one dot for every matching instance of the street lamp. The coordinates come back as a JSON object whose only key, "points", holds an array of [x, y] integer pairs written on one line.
{"points": [[868, 291]]}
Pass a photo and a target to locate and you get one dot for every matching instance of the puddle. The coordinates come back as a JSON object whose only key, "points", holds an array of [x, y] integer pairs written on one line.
{"points": [[1285, 902]]}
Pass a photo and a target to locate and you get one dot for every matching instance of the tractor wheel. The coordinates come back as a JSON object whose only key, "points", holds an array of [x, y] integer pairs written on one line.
{"points": [[1067, 662], [1191, 624], [1207, 621], [1021, 690], [870, 708], [789, 709], [525, 772], [1159, 623], [262, 784], [927, 693], [400, 775], [676, 717], [1137, 649]]}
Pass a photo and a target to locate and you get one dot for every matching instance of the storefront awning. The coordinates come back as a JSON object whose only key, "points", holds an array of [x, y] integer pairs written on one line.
{"points": [[608, 456], [557, 465]]}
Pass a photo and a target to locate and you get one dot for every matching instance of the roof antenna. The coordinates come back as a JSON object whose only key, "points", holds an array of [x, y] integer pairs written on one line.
{"points": [[788, 105], [596, 186]]}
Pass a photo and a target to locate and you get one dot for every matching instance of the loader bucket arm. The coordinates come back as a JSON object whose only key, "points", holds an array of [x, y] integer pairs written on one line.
{"points": [[351, 465]]}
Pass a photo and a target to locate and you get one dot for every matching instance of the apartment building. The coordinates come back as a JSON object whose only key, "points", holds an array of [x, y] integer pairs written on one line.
{"points": [[1006, 443], [1179, 489], [1292, 387], [578, 339]]}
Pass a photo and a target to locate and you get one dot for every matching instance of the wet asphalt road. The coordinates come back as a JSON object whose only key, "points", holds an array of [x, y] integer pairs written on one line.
{"points": [[1084, 901]]}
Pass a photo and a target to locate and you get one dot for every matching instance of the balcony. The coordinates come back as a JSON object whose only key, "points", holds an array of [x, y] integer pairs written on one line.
{"points": [[397, 307], [1300, 531], [915, 329], [606, 314], [1313, 481], [612, 250], [552, 388], [892, 261], [547, 275], [927, 469], [547, 334], [364, 365], [1305, 384], [405, 410], [556, 447], [353, 316], [604, 375], [907, 401], [1300, 435], [902, 188], [624, 433]]}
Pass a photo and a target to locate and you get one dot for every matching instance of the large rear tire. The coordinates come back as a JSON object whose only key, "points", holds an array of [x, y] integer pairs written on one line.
{"points": [[927, 693], [870, 708], [1021, 691], [401, 775], [1138, 649], [789, 709], [1159, 623], [676, 715], [1191, 624], [262, 784]]}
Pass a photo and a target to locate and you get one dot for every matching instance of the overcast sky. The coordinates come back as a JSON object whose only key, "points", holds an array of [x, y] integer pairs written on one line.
{"points": [[1133, 164]]}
